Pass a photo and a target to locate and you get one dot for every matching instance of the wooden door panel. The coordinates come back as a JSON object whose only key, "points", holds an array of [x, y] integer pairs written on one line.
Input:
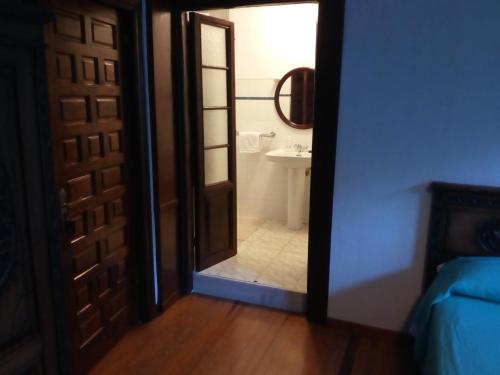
{"points": [[169, 279], [166, 158], [220, 230], [83, 61], [215, 129], [218, 212]]}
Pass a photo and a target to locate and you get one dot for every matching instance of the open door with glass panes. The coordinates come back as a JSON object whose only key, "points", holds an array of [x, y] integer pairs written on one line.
{"points": [[213, 106]]}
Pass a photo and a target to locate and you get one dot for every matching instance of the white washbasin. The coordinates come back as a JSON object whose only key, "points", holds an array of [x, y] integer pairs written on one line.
{"points": [[290, 158]]}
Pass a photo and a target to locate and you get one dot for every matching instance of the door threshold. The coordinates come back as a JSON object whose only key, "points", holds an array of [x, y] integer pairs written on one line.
{"points": [[243, 291]]}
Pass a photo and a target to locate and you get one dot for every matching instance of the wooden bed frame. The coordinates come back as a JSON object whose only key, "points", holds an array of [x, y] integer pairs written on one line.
{"points": [[464, 221]]}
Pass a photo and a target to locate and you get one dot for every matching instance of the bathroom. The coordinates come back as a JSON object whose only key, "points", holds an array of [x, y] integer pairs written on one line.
{"points": [[273, 46]]}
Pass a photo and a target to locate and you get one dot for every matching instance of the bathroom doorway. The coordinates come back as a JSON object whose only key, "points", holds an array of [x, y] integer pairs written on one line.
{"points": [[252, 72]]}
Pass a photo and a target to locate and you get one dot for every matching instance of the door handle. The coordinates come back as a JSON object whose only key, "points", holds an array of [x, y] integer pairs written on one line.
{"points": [[68, 224], [63, 201]]}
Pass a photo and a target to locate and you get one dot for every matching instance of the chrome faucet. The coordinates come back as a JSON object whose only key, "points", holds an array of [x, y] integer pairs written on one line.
{"points": [[300, 148]]}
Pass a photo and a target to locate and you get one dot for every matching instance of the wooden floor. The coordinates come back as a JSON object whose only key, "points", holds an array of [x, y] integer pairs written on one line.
{"points": [[200, 335]]}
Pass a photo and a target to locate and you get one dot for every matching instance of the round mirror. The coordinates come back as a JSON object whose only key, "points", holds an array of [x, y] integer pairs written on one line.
{"points": [[294, 98]]}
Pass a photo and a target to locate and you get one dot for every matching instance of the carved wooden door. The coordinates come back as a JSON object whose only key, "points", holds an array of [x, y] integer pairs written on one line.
{"points": [[214, 118], [87, 116]]}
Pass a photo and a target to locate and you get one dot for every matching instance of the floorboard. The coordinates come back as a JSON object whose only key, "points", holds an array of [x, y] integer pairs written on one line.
{"points": [[201, 335]]}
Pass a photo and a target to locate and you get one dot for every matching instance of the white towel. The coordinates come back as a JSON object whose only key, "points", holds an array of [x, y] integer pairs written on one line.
{"points": [[249, 142]]}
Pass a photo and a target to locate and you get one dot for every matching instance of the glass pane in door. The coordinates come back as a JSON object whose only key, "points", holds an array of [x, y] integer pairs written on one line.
{"points": [[214, 87], [216, 165], [213, 45], [215, 127]]}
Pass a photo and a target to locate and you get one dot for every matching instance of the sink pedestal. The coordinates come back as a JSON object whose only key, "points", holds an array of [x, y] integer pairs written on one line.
{"points": [[296, 191], [297, 164]]}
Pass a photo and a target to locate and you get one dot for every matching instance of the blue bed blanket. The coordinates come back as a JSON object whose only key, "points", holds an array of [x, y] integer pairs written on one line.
{"points": [[457, 322]]}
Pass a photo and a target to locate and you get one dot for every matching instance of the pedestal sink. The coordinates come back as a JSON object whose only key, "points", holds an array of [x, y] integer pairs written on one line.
{"points": [[297, 163]]}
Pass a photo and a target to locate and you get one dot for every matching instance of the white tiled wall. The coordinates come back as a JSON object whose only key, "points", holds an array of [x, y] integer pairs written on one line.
{"points": [[262, 185], [268, 44]]}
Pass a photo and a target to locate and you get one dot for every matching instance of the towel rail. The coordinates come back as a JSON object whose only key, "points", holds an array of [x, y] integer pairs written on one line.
{"points": [[265, 135]]}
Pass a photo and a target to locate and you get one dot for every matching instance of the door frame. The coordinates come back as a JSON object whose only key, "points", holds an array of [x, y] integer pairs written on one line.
{"points": [[328, 74], [130, 13]]}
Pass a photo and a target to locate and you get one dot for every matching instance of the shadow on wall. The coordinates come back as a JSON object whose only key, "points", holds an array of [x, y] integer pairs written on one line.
{"points": [[387, 301]]}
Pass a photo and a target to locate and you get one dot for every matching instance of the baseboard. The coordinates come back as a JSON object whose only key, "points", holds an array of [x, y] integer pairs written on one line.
{"points": [[242, 291], [367, 330]]}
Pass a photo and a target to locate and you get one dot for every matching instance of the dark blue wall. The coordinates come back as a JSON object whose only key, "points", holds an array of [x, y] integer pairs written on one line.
{"points": [[420, 102]]}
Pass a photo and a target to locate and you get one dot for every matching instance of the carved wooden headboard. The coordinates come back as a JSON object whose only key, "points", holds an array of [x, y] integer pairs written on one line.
{"points": [[465, 221]]}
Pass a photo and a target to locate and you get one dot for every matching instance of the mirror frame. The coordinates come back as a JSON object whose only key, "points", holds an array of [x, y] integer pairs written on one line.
{"points": [[285, 119]]}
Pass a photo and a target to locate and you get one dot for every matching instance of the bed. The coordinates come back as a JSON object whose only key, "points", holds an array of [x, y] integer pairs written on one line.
{"points": [[457, 321]]}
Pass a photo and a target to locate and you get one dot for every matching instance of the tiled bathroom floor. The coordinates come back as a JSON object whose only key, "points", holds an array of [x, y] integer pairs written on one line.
{"points": [[268, 254]]}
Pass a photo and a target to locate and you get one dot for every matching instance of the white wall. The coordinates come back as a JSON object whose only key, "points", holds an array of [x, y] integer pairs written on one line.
{"points": [[268, 44], [272, 40], [420, 102], [218, 13]]}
